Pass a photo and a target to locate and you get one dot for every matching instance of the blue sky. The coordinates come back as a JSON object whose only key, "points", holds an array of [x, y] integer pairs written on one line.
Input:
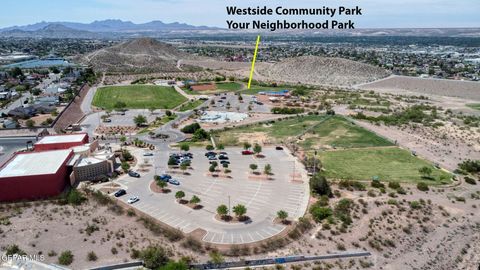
{"points": [[376, 13]]}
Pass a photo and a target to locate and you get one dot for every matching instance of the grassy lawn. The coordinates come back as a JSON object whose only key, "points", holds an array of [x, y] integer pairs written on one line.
{"points": [[326, 131], [138, 97], [159, 121], [190, 105], [475, 106], [389, 164], [341, 133], [229, 86]]}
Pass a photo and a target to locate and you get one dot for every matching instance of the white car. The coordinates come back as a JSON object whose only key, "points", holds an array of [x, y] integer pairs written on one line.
{"points": [[133, 199]]}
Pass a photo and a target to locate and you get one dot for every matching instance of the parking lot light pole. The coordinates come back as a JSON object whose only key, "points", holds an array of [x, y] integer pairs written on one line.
{"points": [[228, 204]]}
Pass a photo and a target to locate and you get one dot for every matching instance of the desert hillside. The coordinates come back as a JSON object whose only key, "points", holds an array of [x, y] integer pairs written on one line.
{"points": [[139, 55], [322, 71]]}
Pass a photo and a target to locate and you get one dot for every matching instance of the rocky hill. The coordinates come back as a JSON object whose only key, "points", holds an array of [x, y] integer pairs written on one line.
{"points": [[322, 71], [139, 56]]}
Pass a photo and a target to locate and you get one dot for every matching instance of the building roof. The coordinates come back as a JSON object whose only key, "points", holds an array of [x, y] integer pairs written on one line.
{"points": [[69, 138], [34, 163]]}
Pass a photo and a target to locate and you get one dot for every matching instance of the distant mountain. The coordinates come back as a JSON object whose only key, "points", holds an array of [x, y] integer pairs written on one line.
{"points": [[49, 31], [112, 26]]}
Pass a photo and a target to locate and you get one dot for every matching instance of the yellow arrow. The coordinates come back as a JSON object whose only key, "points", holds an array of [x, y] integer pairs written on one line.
{"points": [[253, 62]]}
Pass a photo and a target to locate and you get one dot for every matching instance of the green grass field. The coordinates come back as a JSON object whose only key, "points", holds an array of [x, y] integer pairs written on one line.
{"points": [[389, 164], [229, 86], [138, 97], [475, 106], [190, 105], [326, 132], [340, 133]]}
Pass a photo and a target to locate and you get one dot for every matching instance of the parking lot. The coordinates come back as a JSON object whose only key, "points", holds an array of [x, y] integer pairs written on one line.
{"points": [[262, 198], [222, 99]]}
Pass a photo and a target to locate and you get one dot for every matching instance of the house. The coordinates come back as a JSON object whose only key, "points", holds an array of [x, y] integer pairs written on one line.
{"points": [[53, 100], [5, 95], [43, 108], [10, 124], [22, 112]]}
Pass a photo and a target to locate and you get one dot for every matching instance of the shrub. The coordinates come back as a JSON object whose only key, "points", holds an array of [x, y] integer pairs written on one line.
{"points": [[394, 185], [14, 249], [154, 257], [320, 185], [320, 213], [422, 186], [377, 184], [91, 256], [190, 129], [470, 180], [65, 258], [74, 197]]}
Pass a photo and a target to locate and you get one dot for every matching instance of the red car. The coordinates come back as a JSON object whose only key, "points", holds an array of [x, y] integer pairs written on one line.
{"points": [[247, 152]]}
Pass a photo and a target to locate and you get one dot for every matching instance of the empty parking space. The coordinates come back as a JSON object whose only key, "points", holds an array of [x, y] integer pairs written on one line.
{"points": [[263, 198]]}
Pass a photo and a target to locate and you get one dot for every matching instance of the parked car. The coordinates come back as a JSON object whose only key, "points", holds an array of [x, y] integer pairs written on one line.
{"points": [[210, 154], [120, 192], [134, 174], [107, 120], [247, 152], [278, 148], [212, 158], [133, 199], [224, 162], [173, 182], [223, 153], [149, 154], [165, 177], [222, 157]]}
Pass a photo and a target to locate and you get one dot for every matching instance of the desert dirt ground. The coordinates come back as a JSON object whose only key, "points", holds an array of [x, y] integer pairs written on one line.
{"points": [[414, 85]]}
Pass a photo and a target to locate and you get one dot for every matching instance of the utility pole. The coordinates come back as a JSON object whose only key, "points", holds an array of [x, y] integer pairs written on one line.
{"points": [[228, 204]]}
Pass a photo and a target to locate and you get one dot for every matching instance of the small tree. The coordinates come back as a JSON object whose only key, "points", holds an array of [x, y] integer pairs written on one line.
{"points": [[65, 258], [257, 149], [320, 185], [253, 167], [172, 161], [211, 168], [168, 113], [209, 147], [240, 210], [123, 140], [162, 185], [125, 166], [220, 147], [283, 215], [154, 257], [139, 120], [425, 171], [195, 200], [222, 210], [246, 145], [185, 147], [183, 167], [30, 123], [267, 169], [179, 195]]}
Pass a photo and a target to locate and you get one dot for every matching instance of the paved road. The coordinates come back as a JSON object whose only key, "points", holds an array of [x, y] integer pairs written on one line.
{"points": [[9, 145], [16, 103]]}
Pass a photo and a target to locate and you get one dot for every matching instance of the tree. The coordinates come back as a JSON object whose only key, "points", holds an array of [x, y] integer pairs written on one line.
{"points": [[30, 123], [253, 167], [240, 210], [267, 169], [190, 129], [16, 72], [125, 166], [120, 105], [179, 195], [172, 161], [211, 168], [173, 265], [320, 185], [123, 140], [200, 135], [184, 147], [320, 213], [154, 257], [168, 113], [195, 200], [139, 120], [220, 147], [184, 167], [246, 145], [222, 210], [209, 147], [161, 184], [257, 149], [283, 215], [425, 171]]}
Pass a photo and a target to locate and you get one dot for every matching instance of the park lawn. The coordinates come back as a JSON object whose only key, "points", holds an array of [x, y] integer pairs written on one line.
{"points": [[228, 86], [138, 97], [190, 105], [339, 132], [388, 164], [276, 132], [475, 106]]}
